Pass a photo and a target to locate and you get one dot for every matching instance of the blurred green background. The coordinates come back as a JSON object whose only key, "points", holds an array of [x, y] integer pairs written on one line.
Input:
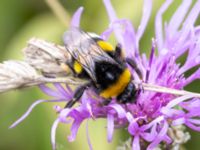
{"points": [[22, 19]]}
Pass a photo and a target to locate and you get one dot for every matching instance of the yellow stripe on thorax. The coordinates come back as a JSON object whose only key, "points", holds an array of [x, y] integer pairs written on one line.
{"points": [[118, 87], [77, 67], [105, 46]]}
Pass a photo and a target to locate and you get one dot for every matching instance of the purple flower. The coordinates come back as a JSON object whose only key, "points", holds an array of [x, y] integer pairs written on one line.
{"points": [[151, 118]]}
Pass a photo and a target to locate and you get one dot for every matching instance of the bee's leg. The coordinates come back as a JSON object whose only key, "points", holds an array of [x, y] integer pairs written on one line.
{"points": [[77, 95], [133, 64]]}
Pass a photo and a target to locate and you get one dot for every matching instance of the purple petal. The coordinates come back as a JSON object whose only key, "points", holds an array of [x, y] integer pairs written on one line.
{"points": [[158, 24], [178, 121], [74, 128], [178, 17], [152, 123], [76, 114], [169, 112], [62, 91], [86, 104], [57, 108], [110, 10], [193, 77], [162, 68], [106, 34], [197, 29], [150, 136], [68, 89], [30, 110], [194, 45], [192, 126], [120, 110], [184, 48], [159, 137], [193, 113], [80, 113], [63, 115], [151, 59], [89, 108], [167, 139], [129, 40], [194, 121], [126, 36], [75, 22], [110, 127], [178, 100], [129, 117], [50, 91], [192, 17], [190, 105], [192, 63], [88, 136], [188, 25], [133, 128], [145, 18], [152, 54], [113, 18], [53, 134], [136, 143], [85, 99]]}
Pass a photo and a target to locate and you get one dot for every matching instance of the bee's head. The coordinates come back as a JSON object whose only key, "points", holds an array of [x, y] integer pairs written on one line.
{"points": [[128, 95]]}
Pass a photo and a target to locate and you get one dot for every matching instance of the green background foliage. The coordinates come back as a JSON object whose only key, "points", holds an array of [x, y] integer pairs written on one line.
{"points": [[22, 19]]}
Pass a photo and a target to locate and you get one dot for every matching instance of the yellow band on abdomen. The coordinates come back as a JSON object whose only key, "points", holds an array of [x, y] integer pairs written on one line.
{"points": [[118, 87]]}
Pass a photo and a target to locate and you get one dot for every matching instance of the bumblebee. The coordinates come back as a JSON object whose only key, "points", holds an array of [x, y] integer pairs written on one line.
{"points": [[103, 66]]}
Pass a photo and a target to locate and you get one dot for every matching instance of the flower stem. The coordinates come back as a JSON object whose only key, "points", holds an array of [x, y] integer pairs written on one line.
{"points": [[68, 80], [59, 11], [161, 89], [145, 86]]}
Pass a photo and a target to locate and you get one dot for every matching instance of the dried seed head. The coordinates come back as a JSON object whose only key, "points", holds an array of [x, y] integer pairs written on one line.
{"points": [[46, 57], [15, 74], [19, 74]]}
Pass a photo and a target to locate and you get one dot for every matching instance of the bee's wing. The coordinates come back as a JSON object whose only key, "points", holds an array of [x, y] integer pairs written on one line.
{"points": [[85, 50], [46, 57]]}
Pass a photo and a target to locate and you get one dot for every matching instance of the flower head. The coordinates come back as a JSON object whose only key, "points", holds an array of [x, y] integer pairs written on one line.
{"points": [[154, 115]]}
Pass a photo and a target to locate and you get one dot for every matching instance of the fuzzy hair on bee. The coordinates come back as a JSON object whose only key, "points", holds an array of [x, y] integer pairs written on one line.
{"points": [[102, 65]]}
